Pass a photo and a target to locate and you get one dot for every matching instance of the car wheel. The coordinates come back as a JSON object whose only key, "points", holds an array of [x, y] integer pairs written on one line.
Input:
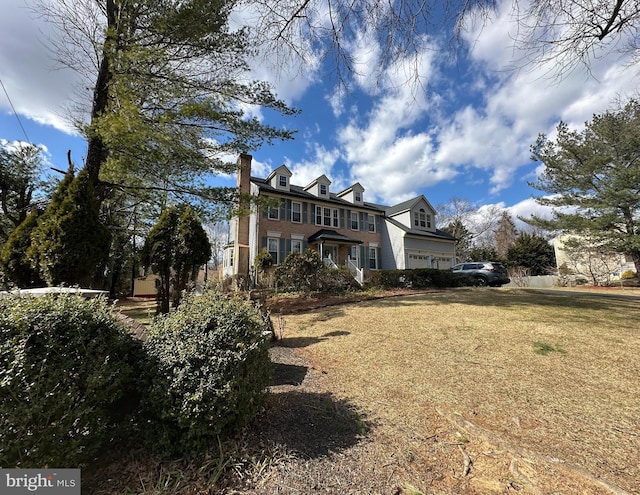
{"points": [[481, 282]]}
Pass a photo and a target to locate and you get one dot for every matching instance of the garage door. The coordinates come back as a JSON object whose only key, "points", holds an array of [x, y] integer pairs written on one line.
{"points": [[419, 261]]}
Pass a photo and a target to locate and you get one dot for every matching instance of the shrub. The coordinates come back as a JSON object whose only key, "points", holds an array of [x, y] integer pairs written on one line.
{"points": [[628, 274], [213, 368], [68, 371], [421, 278], [299, 271]]}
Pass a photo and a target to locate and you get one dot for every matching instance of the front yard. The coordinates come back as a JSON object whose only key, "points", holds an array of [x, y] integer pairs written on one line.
{"points": [[466, 391], [541, 392]]}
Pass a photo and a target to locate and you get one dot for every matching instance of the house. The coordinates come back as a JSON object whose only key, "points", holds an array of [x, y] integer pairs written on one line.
{"points": [[343, 227], [588, 260]]}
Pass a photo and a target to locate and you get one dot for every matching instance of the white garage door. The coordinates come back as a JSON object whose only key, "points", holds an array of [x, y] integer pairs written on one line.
{"points": [[419, 261]]}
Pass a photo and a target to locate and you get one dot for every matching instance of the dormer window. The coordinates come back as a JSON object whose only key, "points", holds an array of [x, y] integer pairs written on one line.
{"points": [[282, 180], [358, 196], [323, 189]]}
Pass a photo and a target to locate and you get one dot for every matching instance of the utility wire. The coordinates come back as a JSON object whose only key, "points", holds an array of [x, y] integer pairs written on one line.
{"points": [[14, 112]]}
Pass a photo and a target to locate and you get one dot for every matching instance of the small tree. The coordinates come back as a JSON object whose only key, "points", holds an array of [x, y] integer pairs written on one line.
{"points": [[193, 250], [174, 249], [16, 267], [300, 272], [69, 243], [262, 262], [533, 252]]}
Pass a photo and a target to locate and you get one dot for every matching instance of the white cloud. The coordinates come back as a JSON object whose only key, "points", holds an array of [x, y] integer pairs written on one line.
{"points": [[322, 162], [36, 88]]}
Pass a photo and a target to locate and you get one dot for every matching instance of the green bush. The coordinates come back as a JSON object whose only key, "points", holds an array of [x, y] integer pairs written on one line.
{"points": [[420, 278], [305, 272], [628, 274], [69, 372], [213, 368]]}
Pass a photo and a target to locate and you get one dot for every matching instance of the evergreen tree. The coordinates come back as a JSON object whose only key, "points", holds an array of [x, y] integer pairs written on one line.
{"points": [[533, 252], [69, 243], [16, 266], [483, 253], [593, 180], [463, 238], [175, 248], [193, 250], [170, 93], [20, 168]]}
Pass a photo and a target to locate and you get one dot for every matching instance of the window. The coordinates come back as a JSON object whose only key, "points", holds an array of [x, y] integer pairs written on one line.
{"points": [[354, 221], [274, 213], [296, 246], [421, 219], [296, 215], [272, 247], [323, 189], [282, 180], [373, 258], [358, 196], [327, 216], [372, 223]]}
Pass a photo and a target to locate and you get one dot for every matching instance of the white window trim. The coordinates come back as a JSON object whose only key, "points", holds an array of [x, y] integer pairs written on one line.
{"points": [[299, 212], [296, 241], [357, 220], [277, 251], [334, 220]]}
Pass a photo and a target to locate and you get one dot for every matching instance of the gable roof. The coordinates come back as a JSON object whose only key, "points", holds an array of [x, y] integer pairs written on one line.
{"points": [[408, 205], [438, 234], [282, 170], [301, 193]]}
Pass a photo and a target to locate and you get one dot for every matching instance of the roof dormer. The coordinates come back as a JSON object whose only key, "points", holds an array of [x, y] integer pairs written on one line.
{"points": [[319, 187], [280, 178], [353, 194]]}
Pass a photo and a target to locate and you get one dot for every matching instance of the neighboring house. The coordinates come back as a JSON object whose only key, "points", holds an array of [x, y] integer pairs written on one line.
{"points": [[589, 261], [343, 227]]}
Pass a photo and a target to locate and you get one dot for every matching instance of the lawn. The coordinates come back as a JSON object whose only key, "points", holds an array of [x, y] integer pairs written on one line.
{"points": [[474, 391], [541, 391]]}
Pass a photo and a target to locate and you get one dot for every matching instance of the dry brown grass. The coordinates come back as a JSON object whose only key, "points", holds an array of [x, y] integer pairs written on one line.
{"points": [[436, 393], [470, 355]]}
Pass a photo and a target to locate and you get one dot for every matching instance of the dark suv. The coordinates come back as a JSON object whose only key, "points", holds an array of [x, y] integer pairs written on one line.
{"points": [[484, 272]]}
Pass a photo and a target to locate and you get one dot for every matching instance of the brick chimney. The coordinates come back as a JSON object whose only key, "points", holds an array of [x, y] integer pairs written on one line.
{"points": [[241, 244]]}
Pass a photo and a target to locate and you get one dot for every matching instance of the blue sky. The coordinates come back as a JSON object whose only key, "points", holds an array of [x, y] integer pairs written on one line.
{"points": [[465, 133]]}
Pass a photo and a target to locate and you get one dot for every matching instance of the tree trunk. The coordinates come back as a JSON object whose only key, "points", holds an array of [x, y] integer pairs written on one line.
{"points": [[97, 152]]}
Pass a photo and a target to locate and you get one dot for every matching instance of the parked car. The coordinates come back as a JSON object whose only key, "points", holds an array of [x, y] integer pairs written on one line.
{"points": [[484, 272]]}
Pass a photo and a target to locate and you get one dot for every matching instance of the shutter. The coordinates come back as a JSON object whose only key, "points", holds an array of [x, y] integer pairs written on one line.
{"points": [[341, 214], [264, 242], [364, 257], [304, 213], [265, 212], [283, 210], [288, 212], [287, 249], [281, 254], [348, 218], [363, 221], [305, 245]]}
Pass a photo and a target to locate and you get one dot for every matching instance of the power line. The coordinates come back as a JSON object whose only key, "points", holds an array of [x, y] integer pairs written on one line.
{"points": [[14, 112]]}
